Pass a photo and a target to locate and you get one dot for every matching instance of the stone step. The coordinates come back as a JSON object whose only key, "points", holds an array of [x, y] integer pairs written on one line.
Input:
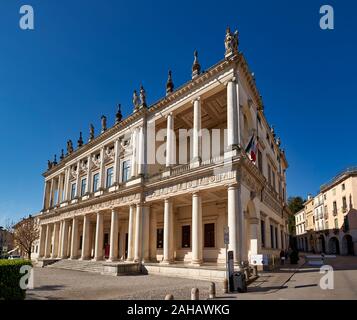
{"points": [[78, 265]]}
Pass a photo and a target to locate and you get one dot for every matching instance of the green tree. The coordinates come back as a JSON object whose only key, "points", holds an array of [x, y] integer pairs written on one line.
{"points": [[295, 204]]}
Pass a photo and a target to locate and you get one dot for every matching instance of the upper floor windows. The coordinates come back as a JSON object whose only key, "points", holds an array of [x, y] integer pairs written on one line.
{"points": [[73, 191], [83, 186], [96, 182], [343, 187], [260, 161], [110, 176], [126, 171]]}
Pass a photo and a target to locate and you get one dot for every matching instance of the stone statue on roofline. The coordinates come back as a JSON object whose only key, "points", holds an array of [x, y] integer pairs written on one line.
{"points": [[135, 101], [69, 147], [118, 116], [91, 132], [231, 43], [142, 97], [104, 123]]}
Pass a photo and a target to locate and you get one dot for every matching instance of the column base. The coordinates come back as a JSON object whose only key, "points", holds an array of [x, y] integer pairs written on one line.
{"points": [[74, 258], [129, 260], [84, 258], [166, 262], [112, 259], [98, 259], [196, 263]]}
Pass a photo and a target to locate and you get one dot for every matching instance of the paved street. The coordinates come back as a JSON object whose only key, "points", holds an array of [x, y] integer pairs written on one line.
{"points": [[288, 283]]}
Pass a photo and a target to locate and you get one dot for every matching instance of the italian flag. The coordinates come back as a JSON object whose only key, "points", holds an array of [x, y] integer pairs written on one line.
{"points": [[251, 149]]}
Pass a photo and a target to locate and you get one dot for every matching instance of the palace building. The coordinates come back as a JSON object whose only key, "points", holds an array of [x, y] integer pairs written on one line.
{"points": [[163, 185]]}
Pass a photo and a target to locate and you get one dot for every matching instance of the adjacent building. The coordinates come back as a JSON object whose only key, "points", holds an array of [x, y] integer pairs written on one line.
{"points": [[335, 216], [164, 184]]}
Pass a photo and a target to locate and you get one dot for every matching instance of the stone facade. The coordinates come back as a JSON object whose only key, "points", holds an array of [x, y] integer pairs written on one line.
{"points": [[334, 217], [140, 192]]}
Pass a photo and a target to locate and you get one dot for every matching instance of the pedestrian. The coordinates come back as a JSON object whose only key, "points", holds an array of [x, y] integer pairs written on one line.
{"points": [[282, 257]]}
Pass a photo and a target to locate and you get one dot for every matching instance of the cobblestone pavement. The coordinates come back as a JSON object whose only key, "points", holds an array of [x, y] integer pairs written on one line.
{"points": [[290, 282], [59, 284]]}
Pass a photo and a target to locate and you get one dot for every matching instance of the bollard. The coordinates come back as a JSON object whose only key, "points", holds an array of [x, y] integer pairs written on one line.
{"points": [[169, 297], [255, 271], [212, 290], [195, 294], [225, 286]]}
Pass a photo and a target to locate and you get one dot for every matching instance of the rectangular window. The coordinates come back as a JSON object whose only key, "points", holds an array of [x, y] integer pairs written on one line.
{"points": [[209, 235], [271, 236], [95, 182], [260, 161], [186, 234], [276, 237], [160, 238], [344, 204], [262, 232], [110, 175], [83, 186], [336, 223], [80, 242], [343, 187], [334, 207], [282, 238], [73, 191], [126, 171]]}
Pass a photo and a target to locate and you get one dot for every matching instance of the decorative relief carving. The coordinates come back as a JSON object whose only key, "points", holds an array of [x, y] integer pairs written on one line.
{"points": [[187, 185]]}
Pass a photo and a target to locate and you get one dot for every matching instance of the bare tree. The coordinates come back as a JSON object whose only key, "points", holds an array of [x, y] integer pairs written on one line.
{"points": [[25, 233]]}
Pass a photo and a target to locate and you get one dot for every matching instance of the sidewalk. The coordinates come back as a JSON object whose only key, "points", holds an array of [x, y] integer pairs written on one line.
{"points": [[268, 282]]}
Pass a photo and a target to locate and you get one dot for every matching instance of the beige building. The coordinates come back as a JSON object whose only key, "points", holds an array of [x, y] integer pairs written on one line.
{"points": [[144, 191], [335, 216]]}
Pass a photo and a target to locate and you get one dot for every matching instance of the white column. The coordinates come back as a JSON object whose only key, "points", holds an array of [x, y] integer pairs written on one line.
{"points": [[55, 240], [153, 235], [196, 136], [48, 241], [51, 203], [64, 239], [102, 169], [114, 232], [99, 233], [146, 234], [239, 114], [232, 117], [133, 170], [170, 141], [138, 232], [41, 249], [130, 233], [196, 229], [86, 238], [60, 239], [74, 244], [89, 174], [116, 161], [141, 152], [45, 196], [59, 188], [78, 182], [168, 216], [67, 184], [233, 221]]}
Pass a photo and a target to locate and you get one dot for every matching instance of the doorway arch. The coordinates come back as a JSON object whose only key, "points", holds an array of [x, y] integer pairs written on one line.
{"points": [[334, 246], [347, 245]]}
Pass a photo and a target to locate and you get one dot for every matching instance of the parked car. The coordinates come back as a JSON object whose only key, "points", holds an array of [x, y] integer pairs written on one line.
{"points": [[14, 257]]}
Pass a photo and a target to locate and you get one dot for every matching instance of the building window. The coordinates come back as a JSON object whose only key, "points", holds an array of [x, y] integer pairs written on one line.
{"points": [[126, 170], [344, 204], [343, 187], [83, 186], [272, 236], [334, 191], [282, 238], [160, 238], [73, 191], [262, 232], [276, 237], [334, 207], [186, 235], [260, 161], [110, 174], [336, 223], [80, 242], [95, 182], [209, 235], [273, 181]]}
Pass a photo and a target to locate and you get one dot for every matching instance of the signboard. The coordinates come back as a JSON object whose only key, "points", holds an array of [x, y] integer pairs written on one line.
{"points": [[259, 259], [226, 235]]}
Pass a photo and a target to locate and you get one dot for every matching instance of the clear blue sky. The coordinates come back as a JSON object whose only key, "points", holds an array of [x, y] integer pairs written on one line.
{"points": [[84, 57]]}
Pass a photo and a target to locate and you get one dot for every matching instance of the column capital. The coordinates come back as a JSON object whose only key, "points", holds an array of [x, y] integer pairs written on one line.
{"points": [[196, 99], [233, 186], [196, 193]]}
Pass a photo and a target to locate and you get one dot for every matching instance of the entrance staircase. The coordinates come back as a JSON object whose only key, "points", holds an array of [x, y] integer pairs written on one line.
{"points": [[79, 265]]}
